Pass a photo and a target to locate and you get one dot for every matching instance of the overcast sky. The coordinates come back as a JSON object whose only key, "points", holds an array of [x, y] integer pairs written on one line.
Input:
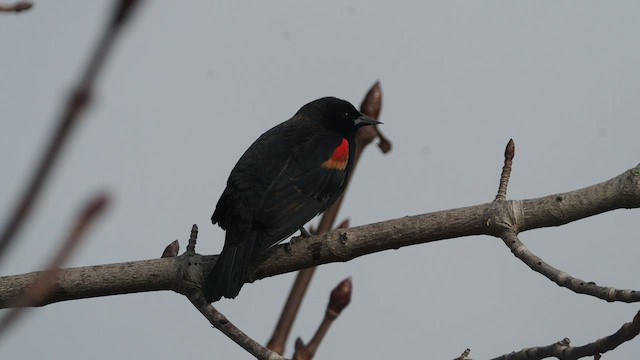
{"points": [[192, 84]]}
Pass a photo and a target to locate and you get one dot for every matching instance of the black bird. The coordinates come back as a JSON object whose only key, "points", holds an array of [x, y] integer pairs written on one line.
{"points": [[288, 175]]}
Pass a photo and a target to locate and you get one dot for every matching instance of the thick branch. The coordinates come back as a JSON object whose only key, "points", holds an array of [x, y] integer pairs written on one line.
{"points": [[621, 192], [492, 219], [42, 287], [99, 280]]}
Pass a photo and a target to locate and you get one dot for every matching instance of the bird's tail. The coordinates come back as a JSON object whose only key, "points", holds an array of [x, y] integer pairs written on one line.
{"points": [[229, 272]]}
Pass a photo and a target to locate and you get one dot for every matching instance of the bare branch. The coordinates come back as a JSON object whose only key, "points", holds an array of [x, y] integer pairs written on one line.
{"points": [[94, 281], [464, 355], [77, 102], [290, 309], [627, 332], [338, 301], [190, 272], [539, 352], [292, 305], [220, 322], [620, 192], [563, 350], [43, 285], [492, 219], [562, 278], [17, 7], [342, 245]]}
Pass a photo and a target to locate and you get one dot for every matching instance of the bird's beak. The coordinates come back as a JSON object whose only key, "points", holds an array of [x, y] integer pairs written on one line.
{"points": [[364, 120]]}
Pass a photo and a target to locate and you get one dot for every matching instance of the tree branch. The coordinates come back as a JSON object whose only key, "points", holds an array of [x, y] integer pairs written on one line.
{"points": [[562, 278], [338, 300], [17, 7], [42, 287], [491, 219], [220, 322], [191, 289], [342, 245], [563, 350], [99, 280], [77, 103]]}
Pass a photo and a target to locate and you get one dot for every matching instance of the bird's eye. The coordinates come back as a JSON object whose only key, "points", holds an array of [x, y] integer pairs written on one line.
{"points": [[345, 115]]}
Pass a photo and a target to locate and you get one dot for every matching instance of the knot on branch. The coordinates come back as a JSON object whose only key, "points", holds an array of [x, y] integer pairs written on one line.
{"points": [[190, 275], [338, 246], [502, 217], [630, 187]]}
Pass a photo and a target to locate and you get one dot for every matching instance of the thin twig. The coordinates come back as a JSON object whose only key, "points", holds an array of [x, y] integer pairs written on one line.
{"points": [[293, 303], [509, 153], [562, 278], [464, 355], [627, 332], [191, 289], [338, 301], [371, 106], [17, 7], [538, 352], [563, 350], [290, 309], [220, 322], [191, 246], [44, 285], [76, 104]]}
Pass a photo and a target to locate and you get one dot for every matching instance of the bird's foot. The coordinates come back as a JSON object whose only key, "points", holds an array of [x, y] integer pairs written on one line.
{"points": [[303, 234]]}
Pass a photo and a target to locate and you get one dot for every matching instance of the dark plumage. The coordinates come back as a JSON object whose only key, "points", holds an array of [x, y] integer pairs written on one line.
{"points": [[288, 175]]}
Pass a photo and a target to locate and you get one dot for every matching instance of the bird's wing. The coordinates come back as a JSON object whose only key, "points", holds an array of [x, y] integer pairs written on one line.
{"points": [[256, 170], [307, 184]]}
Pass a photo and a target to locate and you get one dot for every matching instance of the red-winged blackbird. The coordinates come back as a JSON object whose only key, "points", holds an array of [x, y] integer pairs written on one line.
{"points": [[290, 174]]}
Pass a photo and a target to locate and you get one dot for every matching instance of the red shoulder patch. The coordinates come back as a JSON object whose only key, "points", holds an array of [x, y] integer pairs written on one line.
{"points": [[340, 157]]}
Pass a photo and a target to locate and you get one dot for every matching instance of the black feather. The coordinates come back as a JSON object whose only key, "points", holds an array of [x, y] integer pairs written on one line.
{"points": [[279, 184]]}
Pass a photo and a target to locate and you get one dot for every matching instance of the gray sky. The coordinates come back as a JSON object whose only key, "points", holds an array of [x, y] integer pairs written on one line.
{"points": [[191, 85]]}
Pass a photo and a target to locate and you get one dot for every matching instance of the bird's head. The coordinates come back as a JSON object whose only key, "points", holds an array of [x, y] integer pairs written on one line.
{"points": [[337, 114]]}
